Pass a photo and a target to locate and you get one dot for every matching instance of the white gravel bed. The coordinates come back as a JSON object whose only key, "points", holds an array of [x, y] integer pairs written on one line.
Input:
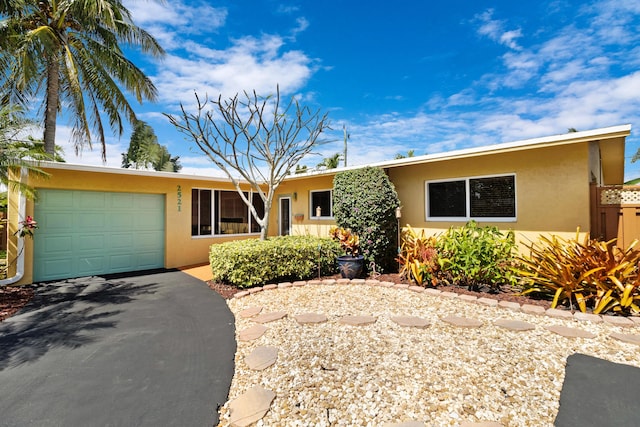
{"points": [[331, 374]]}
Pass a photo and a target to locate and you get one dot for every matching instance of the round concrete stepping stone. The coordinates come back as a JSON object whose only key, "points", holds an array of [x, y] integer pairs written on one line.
{"points": [[252, 333], [250, 312], [514, 325], [308, 318], [269, 317], [250, 406], [261, 358], [462, 322], [628, 338], [411, 321], [568, 332], [358, 320]]}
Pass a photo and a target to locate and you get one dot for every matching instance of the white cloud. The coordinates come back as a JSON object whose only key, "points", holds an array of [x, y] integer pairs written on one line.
{"points": [[495, 30], [87, 155], [249, 64], [169, 22], [302, 25], [177, 15], [508, 38]]}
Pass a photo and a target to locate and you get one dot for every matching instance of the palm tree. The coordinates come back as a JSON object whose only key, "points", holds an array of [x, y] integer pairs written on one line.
{"points": [[17, 151], [68, 53], [145, 151], [141, 152], [410, 153], [165, 162], [331, 162]]}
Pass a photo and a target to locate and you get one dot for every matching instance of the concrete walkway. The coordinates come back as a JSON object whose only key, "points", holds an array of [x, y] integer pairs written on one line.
{"points": [[156, 349]]}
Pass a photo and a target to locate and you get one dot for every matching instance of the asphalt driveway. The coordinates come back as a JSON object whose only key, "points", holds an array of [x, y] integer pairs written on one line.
{"points": [[155, 349]]}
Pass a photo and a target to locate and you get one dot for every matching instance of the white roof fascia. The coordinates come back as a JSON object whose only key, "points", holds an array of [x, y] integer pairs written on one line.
{"points": [[127, 171]]}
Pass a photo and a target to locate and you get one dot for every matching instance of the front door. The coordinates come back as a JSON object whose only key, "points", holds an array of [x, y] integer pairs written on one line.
{"points": [[285, 216]]}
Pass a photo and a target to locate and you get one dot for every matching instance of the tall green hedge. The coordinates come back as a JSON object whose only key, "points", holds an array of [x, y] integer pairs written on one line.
{"points": [[246, 263], [365, 201]]}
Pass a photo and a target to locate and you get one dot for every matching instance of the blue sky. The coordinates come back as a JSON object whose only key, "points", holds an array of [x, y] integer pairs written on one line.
{"points": [[426, 76]]}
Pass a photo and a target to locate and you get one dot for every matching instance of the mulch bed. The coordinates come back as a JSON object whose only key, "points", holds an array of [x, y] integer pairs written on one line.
{"points": [[228, 291], [13, 298]]}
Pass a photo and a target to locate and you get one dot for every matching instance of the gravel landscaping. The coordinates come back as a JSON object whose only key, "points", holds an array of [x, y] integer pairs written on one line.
{"points": [[507, 371]]}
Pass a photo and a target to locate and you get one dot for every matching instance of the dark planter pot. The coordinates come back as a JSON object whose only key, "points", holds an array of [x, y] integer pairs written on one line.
{"points": [[351, 267]]}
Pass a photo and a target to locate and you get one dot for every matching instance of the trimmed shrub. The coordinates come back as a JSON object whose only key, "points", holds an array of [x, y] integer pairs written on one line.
{"points": [[365, 201], [246, 263], [474, 256]]}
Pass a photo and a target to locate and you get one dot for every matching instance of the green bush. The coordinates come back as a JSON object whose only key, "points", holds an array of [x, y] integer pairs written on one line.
{"points": [[247, 263], [474, 256], [365, 201]]}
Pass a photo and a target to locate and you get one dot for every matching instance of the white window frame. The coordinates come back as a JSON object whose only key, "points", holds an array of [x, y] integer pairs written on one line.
{"points": [[312, 209], [468, 216], [214, 207]]}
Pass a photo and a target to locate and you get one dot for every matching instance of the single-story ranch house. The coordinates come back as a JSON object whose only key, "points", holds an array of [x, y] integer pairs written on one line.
{"points": [[98, 220]]}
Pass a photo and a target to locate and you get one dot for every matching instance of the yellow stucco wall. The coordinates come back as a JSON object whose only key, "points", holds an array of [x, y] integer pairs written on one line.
{"points": [[552, 189], [299, 189], [181, 248]]}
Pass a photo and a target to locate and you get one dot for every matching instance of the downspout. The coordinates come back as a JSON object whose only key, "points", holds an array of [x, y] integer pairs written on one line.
{"points": [[22, 209]]}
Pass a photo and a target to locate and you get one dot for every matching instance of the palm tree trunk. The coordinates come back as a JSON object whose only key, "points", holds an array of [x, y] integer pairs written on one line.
{"points": [[51, 109]]}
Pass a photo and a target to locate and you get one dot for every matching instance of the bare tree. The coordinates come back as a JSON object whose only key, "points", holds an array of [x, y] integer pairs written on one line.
{"points": [[256, 137]]}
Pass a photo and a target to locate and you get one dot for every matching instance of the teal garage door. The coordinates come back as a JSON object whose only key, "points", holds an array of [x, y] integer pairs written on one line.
{"points": [[87, 233]]}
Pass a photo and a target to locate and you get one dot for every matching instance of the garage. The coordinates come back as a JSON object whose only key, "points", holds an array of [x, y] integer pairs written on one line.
{"points": [[87, 233]]}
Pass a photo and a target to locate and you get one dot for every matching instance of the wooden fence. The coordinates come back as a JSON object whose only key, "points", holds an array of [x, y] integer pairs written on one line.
{"points": [[615, 213]]}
